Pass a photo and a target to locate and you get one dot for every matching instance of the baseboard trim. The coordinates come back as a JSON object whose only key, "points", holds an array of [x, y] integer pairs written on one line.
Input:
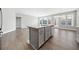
{"points": [[7, 31]]}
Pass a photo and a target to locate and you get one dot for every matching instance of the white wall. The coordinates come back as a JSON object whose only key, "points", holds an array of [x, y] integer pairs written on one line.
{"points": [[9, 20], [28, 21]]}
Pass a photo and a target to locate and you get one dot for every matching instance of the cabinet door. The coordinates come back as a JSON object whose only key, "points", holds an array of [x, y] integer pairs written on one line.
{"points": [[41, 36], [50, 31], [47, 33], [33, 35], [77, 37]]}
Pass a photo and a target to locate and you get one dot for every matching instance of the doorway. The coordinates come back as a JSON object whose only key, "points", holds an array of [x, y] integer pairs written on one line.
{"points": [[18, 22]]}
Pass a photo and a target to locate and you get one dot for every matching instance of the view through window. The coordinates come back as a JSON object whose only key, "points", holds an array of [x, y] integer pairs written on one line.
{"points": [[66, 19]]}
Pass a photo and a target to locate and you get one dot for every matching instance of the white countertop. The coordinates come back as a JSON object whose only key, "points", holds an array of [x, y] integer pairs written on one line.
{"points": [[40, 26]]}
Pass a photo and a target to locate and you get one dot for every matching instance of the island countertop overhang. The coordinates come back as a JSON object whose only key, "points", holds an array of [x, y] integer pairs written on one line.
{"points": [[37, 27]]}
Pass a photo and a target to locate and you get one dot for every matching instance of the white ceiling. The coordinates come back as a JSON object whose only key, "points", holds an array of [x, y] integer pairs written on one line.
{"points": [[38, 12]]}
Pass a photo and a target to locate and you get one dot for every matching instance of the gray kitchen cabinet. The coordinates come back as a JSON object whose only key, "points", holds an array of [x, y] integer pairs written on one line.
{"points": [[48, 32], [33, 36], [77, 34], [36, 37], [39, 35], [77, 38]]}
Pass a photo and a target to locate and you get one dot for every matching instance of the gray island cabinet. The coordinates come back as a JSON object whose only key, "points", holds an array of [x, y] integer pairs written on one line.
{"points": [[39, 35]]}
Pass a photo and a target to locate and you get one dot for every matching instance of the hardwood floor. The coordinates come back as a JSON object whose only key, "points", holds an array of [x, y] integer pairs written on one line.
{"points": [[62, 40], [18, 40]]}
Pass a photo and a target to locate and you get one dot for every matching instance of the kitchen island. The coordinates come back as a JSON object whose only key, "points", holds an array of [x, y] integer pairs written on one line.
{"points": [[38, 35]]}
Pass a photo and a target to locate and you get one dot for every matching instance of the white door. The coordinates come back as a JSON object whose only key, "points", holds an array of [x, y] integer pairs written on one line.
{"points": [[18, 22]]}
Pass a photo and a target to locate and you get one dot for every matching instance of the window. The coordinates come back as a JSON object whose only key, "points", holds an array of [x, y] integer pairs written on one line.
{"points": [[43, 21], [65, 19]]}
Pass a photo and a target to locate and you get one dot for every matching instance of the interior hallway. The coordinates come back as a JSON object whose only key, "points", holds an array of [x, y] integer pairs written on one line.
{"points": [[17, 40]]}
